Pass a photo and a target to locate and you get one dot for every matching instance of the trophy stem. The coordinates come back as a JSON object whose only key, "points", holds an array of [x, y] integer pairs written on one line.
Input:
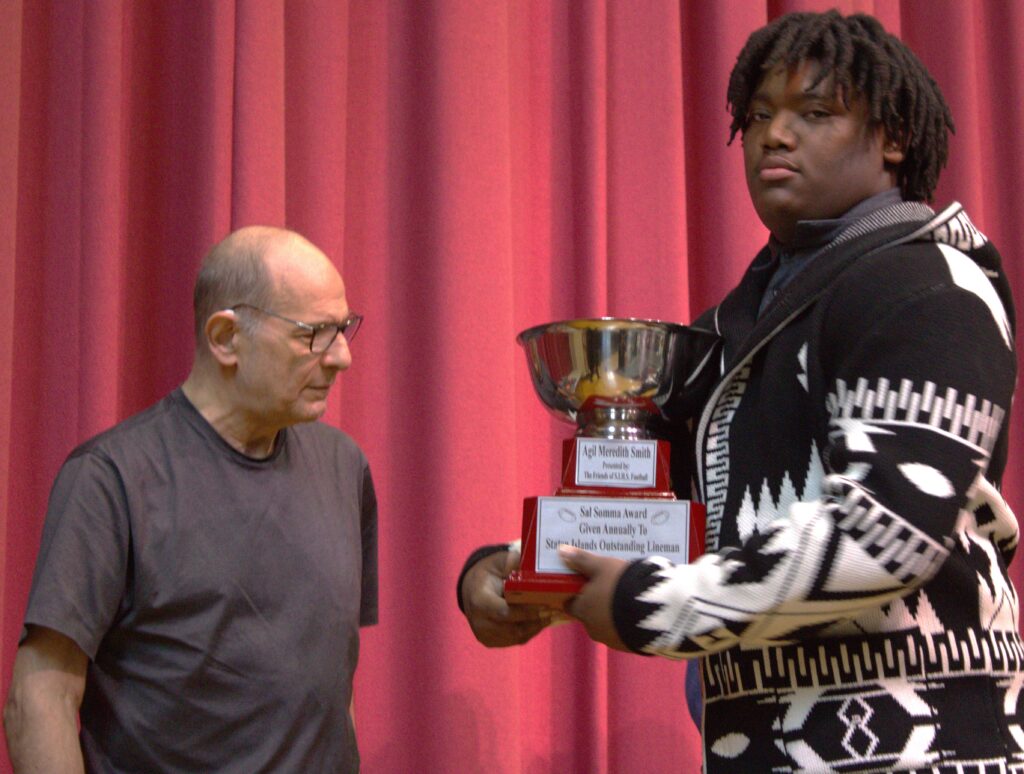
{"points": [[626, 423]]}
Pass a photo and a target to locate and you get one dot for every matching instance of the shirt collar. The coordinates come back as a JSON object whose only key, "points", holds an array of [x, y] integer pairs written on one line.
{"points": [[812, 234]]}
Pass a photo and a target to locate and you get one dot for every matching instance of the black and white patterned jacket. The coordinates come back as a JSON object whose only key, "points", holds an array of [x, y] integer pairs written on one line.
{"points": [[854, 611]]}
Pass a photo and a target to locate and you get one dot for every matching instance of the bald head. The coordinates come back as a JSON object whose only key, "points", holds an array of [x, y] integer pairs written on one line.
{"points": [[262, 297], [254, 265], [298, 269]]}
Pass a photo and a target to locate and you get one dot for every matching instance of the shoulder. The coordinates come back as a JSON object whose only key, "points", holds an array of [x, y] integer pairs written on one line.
{"points": [[321, 432], [323, 438], [915, 276], [948, 251], [125, 438], [330, 457], [896, 270]]}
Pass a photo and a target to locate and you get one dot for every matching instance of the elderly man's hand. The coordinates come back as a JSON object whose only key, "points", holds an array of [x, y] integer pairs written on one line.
{"points": [[593, 605], [494, 622]]}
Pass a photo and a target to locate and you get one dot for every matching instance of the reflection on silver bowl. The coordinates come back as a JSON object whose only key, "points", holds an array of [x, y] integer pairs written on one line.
{"points": [[615, 377]]}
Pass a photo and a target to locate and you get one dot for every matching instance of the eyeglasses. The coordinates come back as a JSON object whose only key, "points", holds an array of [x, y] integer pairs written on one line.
{"points": [[321, 335]]}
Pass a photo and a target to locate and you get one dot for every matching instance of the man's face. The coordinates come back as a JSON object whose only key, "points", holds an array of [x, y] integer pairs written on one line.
{"points": [[807, 155], [279, 380]]}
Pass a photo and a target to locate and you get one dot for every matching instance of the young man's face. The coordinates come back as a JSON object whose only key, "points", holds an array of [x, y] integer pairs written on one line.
{"points": [[807, 155]]}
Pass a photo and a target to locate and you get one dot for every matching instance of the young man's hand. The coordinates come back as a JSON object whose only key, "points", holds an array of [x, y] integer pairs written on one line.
{"points": [[593, 605]]}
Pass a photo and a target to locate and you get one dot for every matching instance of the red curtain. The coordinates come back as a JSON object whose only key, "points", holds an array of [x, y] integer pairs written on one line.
{"points": [[474, 167]]}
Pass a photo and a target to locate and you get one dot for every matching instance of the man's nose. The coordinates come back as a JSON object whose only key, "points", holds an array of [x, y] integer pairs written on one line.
{"points": [[779, 132], [338, 355]]}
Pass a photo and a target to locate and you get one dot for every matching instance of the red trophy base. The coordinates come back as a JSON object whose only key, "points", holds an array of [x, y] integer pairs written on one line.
{"points": [[588, 492]]}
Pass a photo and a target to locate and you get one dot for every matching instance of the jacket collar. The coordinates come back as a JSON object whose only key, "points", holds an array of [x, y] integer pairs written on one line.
{"points": [[880, 228]]}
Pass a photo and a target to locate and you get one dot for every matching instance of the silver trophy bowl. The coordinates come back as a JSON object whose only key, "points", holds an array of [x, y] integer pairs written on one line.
{"points": [[619, 378]]}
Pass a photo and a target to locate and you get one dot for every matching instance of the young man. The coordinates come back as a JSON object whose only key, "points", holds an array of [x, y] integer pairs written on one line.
{"points": [[853, 611], [206, 565]]}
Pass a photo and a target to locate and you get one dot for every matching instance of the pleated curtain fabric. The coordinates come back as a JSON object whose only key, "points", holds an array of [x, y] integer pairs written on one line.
{"points": [[473, 167]]}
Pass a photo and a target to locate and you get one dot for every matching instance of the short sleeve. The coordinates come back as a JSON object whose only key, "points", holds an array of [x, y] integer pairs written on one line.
{"points": [[79, 580], [368, 524]]}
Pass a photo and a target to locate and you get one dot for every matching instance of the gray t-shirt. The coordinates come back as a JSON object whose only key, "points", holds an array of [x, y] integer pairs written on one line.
{"points": [[218, 597]]}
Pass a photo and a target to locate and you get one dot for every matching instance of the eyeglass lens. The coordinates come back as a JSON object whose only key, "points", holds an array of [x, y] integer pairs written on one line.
{"points": [[324, 336]]}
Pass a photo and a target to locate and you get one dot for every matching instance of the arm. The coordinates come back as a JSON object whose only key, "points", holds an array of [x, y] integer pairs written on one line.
{"points": [[901, 489], [41, 714]]}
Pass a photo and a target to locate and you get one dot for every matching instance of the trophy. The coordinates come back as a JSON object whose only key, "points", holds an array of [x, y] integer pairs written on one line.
{"points": [[619, 381]]}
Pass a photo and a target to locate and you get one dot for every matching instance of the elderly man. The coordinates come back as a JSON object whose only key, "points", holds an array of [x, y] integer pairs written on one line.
{"points": [[206, 565], [854, 611]]}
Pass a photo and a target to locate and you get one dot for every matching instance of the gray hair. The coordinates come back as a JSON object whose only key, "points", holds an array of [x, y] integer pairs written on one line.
{"points": [[234, 272]]}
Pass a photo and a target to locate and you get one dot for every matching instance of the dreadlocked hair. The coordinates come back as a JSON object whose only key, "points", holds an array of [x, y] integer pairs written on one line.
{"points": [[865, 61]]}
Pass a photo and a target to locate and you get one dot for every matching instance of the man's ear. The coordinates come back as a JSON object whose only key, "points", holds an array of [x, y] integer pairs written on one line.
{"points": [[894, 150], [222, 330]]}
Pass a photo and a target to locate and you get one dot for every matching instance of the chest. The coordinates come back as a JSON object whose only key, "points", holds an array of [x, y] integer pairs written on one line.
{"points": [[764, 432], [225, 544]]}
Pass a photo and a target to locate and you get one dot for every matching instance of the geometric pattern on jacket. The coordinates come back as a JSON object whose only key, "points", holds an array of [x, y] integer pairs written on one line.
{"points": [[854, 612]]}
